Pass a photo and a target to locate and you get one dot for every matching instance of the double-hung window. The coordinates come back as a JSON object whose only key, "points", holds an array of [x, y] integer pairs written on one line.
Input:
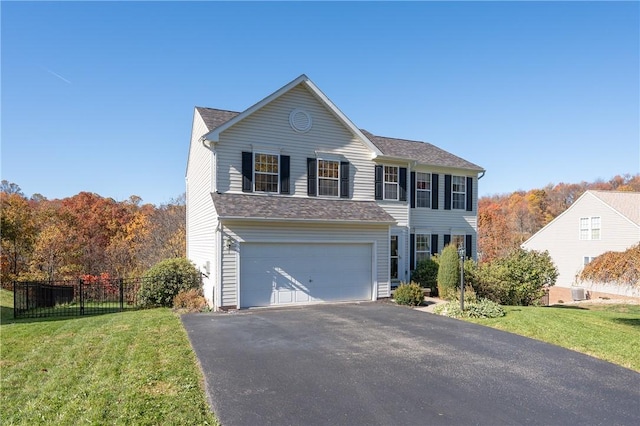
{"points": [[458, 192], [458, 241], [390, 182], [423, 189], [265, 172], [328, 178], [423, 249], [590, 228]]}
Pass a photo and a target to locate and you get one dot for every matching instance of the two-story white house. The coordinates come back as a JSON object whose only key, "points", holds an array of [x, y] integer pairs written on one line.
{"points": [[289, 202]]}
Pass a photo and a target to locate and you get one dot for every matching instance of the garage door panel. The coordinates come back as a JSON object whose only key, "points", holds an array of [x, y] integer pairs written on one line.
{"points": [[276, 274]]}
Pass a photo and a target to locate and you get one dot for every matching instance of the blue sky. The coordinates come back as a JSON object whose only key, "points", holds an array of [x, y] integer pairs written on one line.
{"points": [[99, 97]]}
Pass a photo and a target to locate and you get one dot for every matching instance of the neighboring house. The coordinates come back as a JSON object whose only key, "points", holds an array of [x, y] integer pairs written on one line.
{"points": [[289, 202], [597, 222]]}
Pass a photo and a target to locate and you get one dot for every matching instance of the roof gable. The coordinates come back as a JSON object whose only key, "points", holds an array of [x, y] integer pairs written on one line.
{"points": [[218, 115]]}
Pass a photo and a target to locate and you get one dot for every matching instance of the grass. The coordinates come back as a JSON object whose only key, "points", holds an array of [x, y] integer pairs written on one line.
{"points": [[608, 332], [125, 368]]}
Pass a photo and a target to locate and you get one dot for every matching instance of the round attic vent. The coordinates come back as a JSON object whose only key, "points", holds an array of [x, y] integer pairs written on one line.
{"points": [[300, 120]]}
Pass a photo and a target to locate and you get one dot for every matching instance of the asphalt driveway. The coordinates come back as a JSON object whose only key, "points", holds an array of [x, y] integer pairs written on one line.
{"points": [[381, 364]]}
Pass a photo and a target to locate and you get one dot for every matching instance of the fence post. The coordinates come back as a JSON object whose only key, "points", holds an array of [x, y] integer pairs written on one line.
{"points": [[15, 300], [81, 296], [121, 282]]}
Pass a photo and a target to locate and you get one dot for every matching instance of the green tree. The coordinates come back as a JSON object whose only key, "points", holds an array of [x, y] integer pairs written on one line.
{"points": [[448, 272], [426, 275]]}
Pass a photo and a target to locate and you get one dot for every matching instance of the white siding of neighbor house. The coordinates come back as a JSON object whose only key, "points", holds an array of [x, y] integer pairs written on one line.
{"points": [[201, 216], [272, 232], [561, 237], [446, 222], [268, 129]]}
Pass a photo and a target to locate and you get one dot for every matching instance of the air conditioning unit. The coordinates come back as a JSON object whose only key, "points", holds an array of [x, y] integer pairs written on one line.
{"points": [[577, 293]]}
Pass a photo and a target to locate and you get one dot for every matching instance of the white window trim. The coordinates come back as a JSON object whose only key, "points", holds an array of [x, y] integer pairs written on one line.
{"points": [[428, 191], [253, 164], [415, 248], [385, 183], [318, 177], [464, 193], [589, 229]]}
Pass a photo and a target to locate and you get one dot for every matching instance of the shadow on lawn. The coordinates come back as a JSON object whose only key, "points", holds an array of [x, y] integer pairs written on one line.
{"points": [[634, 322], [569, 307]]}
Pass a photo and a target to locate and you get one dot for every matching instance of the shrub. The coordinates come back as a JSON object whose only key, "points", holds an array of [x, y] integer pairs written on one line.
{"points": [[483, 308], [409, 294], [426, 275], [519, 278], [448, 272], [190, 301], [163, 281]]}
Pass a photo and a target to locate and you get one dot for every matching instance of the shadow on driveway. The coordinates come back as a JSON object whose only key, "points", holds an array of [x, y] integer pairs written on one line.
{"points": [[380, 364]]}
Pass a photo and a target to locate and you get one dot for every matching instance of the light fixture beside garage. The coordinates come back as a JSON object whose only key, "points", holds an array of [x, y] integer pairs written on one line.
{"points": [[300, 120]]}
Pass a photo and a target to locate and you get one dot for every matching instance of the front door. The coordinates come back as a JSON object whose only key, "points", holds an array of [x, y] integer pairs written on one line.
{"points": [[397, 271]]}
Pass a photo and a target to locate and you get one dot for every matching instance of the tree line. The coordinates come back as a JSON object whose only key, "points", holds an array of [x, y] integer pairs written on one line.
{"points": [[506, 221], [85, 234]]}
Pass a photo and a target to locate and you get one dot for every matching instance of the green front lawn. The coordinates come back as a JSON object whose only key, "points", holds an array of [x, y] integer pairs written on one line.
{"points": [[125, 368], [608, 332]]}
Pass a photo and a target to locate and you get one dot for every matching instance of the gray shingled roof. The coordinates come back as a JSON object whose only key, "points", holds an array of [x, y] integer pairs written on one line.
{"points": [[625, 203], [422, 152], [215, 117], [245, 206]]}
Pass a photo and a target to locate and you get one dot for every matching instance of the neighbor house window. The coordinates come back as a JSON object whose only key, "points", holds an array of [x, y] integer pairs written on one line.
{"points": [[423, 189], [590, 228], [265, 172], [328, 178], [423, 249], [458, 192], [390, 182], [588, 259]]}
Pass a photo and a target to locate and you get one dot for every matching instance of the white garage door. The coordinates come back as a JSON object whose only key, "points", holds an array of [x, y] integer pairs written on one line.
{"points": [[280, 274]]}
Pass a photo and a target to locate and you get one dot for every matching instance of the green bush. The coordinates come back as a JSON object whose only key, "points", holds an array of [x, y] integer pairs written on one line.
{"points": [[409, 294], [448, 273], [517, 279], [163, 281], [482, 308], [426, 275]]}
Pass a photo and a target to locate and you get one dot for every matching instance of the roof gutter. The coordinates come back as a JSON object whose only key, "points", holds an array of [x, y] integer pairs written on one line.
{"points": [[322, 221]]}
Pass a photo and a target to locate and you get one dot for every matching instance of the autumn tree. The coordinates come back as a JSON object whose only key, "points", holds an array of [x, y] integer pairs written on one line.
{"points": [[17, 230]]}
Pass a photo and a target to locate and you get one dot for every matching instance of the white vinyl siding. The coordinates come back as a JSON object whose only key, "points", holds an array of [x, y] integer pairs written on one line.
{"points": [[200, 213], [258, 232], [269, 129], [446, 222]]}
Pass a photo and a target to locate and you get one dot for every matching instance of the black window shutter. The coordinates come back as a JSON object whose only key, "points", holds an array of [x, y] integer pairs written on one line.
{"points": [[402, 178], [434, 191], [413, 190], [247, 172], [467, 245], [379, 175], [469, 194], [447, 240], [312, 177], [344, 179], [434, 243], [412, 251], [447, 192], [284, 174]]}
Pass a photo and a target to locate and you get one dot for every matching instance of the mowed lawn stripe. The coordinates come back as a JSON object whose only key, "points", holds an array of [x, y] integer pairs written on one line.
{"points": [[607, 331], [125, 368]]}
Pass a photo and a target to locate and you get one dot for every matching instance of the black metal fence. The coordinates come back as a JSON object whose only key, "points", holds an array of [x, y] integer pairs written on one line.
{"points": [[38, 299]]}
